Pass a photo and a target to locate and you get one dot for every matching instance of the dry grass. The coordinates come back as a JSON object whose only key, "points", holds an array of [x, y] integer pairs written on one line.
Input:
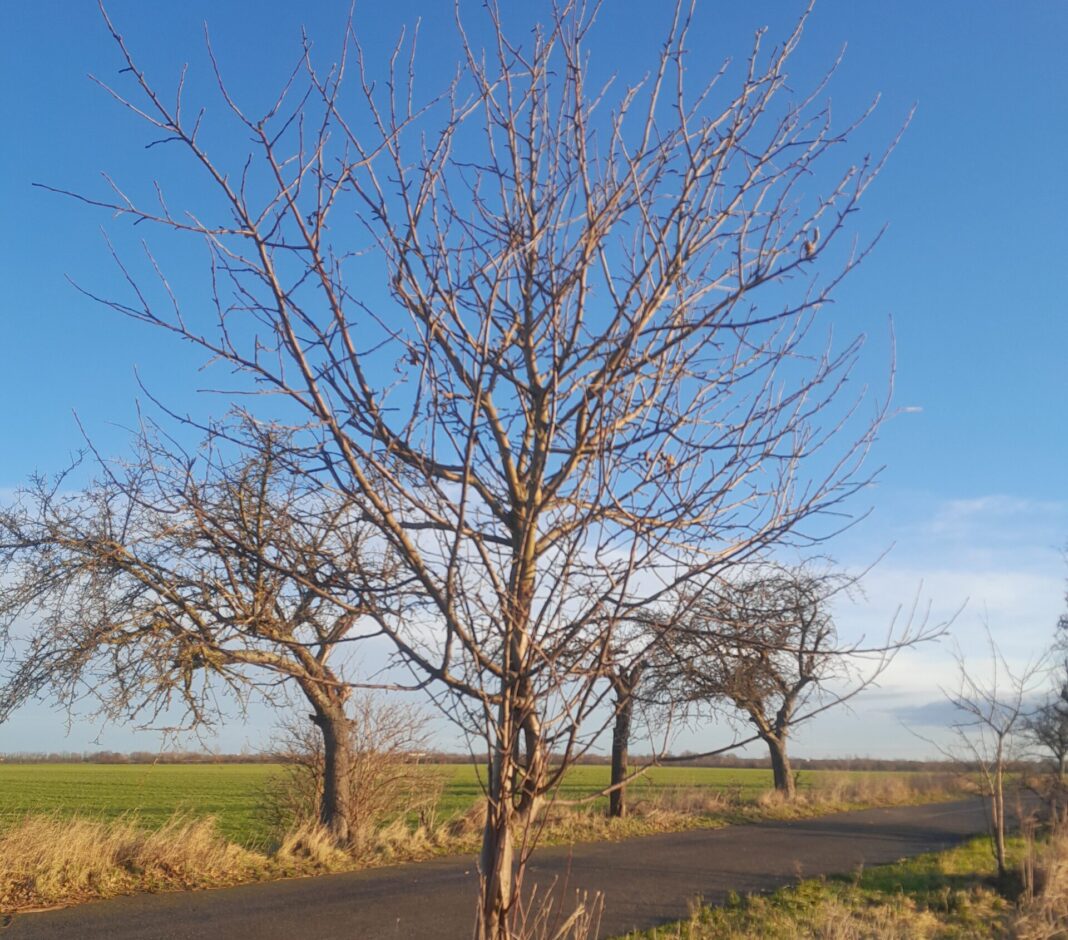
{"points": [[553, 915], [310, 844], [1043, 907], [884, 789], [830, 919], [829, 792], [47, 860]]}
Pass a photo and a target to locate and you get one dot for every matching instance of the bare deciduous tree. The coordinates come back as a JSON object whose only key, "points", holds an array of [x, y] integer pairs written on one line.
{"points": [[559, 341], [765, 643], [1047, 726], [993, 710], [173, 574]]}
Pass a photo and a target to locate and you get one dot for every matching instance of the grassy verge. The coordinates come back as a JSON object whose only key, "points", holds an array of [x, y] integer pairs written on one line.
{"points": [[954, 894], [56, 859]]}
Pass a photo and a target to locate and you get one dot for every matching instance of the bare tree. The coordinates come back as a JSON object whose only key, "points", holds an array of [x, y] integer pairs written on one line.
{"points": [[765, 643], [993, 711], [560, 342], [1047, 727], [175, 573]]}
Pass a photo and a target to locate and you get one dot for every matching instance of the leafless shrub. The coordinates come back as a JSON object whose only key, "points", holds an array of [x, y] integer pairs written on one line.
{"points": [[385, 781], [469, 822]]}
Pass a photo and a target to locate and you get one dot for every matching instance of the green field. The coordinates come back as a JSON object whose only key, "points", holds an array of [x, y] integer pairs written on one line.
{"points": [[230, 792], [233, 792], [461, 786]]}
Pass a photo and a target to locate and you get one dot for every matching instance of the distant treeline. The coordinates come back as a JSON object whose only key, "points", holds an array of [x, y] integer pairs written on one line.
{"points": [[818, 763], [798, 763], [755, 763], [136, 757], [444, 757]]}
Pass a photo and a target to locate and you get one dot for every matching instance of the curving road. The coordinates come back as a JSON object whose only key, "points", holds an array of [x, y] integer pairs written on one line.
{"points": [[645, 882]]}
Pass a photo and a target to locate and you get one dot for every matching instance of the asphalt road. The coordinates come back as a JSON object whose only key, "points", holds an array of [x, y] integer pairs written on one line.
{"points": [[645, 882]]}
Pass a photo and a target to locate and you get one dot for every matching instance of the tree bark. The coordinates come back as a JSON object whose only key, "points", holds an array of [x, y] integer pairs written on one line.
{"points": [[497, 857], [997, 799], [617, 798], [515, 782], [780, 766], [335, 802]]}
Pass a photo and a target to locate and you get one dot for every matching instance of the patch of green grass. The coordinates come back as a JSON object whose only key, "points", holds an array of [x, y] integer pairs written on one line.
{"points": [[152, 792], [944, 894]]}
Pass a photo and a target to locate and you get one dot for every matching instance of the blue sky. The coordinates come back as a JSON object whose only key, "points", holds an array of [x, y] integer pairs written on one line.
{"points": [[972, 271]]}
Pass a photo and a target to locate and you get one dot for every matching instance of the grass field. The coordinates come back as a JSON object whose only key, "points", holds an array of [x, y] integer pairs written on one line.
{"points": [[461, 782], [232, 792]]}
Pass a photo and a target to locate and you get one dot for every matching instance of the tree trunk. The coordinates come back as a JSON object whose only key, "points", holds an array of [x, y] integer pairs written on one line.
{"points": [[998, 817], [497, 858], [515, 782], [617, 798], [498, 875], [780, 766], [335, 802]]}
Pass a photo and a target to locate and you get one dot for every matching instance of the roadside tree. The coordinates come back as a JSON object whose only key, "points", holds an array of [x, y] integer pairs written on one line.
{"points": [[562, 344], [174, 577], [1047, 727], [764, 643], [992, 707]]}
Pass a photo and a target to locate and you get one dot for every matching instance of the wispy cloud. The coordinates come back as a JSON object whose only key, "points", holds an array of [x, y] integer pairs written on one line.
{"points": [[999, 519]]}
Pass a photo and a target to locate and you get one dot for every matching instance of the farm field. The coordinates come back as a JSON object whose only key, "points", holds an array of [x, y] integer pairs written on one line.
{"points": [[233, 792]]}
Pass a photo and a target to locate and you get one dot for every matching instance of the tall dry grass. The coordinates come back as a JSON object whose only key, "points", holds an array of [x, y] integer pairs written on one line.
{"points": [[828, 791], [550, 915], [1042, 912], [48, 860], [878, 789]]}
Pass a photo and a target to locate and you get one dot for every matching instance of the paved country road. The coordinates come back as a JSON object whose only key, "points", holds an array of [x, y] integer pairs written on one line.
{"points": [[645, 882]]}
